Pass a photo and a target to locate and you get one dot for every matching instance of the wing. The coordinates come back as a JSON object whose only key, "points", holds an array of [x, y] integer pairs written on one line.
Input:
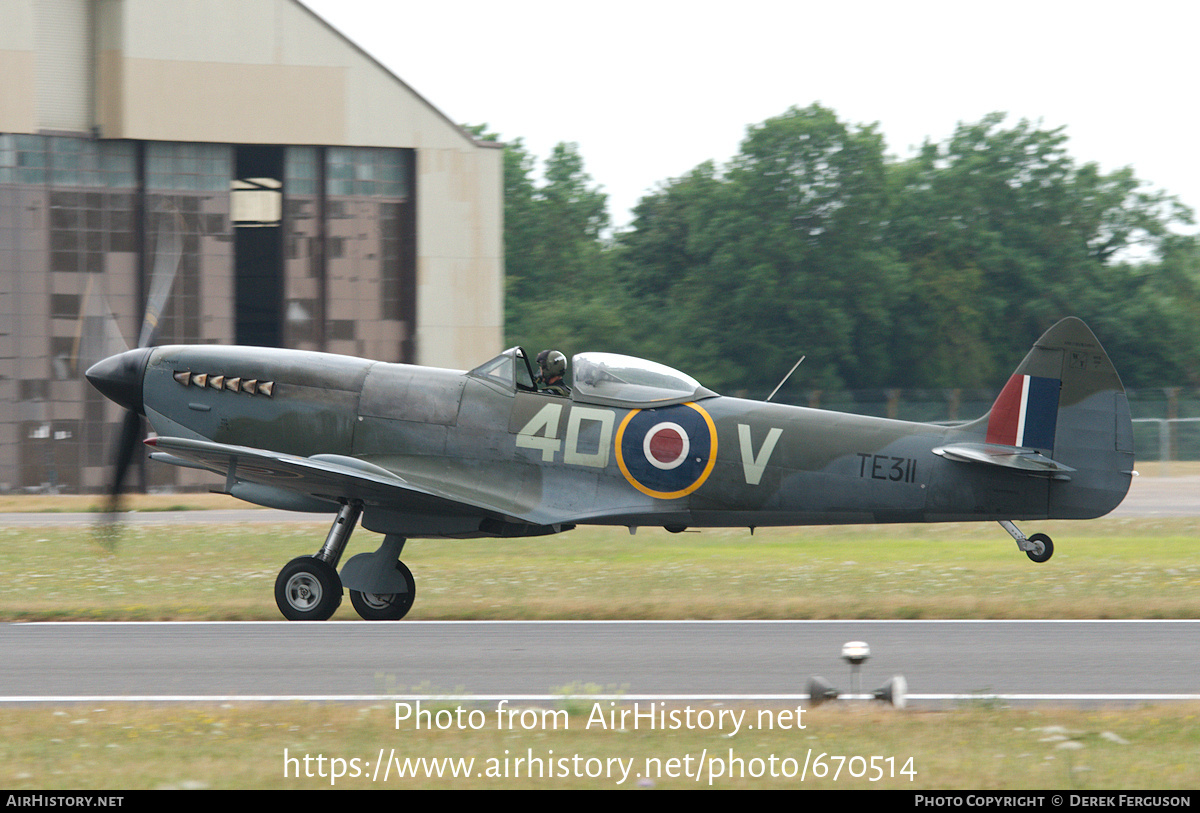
{"points": [[321, 482]]}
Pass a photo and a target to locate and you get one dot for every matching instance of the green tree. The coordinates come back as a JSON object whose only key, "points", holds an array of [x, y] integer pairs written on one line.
{"points": [[553, 250], [780, 255], [1005, 235], [1149, 316], [563, 299], [936, 271]]}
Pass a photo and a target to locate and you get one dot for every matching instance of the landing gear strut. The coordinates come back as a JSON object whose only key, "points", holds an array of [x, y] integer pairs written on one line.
{"points": [[1039, 548], [308, 588]]}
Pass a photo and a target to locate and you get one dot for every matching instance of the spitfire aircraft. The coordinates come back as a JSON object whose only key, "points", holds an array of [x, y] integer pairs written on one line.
{"points": [[422, 452]]}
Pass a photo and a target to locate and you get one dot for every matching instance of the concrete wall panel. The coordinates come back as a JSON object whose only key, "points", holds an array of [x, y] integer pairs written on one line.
{"points": [[18, 102], [225, 103]]}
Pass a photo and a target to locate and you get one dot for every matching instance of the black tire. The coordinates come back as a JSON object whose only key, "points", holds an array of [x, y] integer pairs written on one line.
{"points": [[308, 589], [1047, 549], [386, 606]]}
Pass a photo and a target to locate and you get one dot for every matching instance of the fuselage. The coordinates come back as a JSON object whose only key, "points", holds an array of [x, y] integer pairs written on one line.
{"points": [[711, 461]]}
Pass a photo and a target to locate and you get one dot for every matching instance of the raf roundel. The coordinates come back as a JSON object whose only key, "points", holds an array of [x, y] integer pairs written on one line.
{"points": [[668, 452], [666, 446]]}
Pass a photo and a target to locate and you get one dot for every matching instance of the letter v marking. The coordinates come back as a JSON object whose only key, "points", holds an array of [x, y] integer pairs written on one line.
{"points": [[752, 464]]}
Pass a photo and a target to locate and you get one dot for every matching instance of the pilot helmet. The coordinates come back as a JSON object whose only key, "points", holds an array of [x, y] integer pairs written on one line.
{"points": [[552, 363]]}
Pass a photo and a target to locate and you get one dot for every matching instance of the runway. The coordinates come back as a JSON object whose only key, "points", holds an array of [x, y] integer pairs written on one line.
{"points": [[1055, 661]]}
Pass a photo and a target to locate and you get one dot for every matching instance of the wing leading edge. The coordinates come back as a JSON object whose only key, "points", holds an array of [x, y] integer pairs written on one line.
{"points": [[322, 482]]}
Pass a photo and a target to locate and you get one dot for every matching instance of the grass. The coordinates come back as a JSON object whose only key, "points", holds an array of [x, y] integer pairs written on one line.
{"points": [[129, 747], [94, 503], [1109, 568]]}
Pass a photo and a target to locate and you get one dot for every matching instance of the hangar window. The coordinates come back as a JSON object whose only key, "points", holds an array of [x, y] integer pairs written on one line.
{"points": [[257, 202], [256, 205]]}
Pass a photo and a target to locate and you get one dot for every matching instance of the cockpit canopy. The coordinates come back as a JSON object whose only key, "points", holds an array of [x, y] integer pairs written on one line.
{"points": [[609, 378], [601, 378], [511, 370]]}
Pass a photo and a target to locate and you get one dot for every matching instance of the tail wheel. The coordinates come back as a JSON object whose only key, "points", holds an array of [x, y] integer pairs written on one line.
{"points": [[1043, 548], [386, 606]]}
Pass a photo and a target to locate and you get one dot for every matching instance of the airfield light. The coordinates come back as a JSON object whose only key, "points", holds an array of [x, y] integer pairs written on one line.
{"points": [[856, 654], [895, 691], [820, 690]]}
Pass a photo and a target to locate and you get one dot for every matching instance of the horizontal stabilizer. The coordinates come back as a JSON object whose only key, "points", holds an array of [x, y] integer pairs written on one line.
{"points": [[1027, 461]]}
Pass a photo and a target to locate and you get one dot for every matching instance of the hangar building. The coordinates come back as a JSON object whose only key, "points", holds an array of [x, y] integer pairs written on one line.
{"points": [[291, 190]]}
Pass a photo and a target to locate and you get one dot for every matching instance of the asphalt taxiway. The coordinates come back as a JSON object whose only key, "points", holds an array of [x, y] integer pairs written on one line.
{"points": [[1101, 661]]}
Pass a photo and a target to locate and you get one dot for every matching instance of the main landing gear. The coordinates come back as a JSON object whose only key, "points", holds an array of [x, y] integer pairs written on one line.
{"points": [[386, 606], [1039, 548], [308, 589], [381, 587]]}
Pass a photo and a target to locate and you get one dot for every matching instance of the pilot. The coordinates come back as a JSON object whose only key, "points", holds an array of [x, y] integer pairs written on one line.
{"points": [[551, 366]]}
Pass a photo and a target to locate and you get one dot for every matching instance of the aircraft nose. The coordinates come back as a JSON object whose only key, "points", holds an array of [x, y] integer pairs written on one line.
{"points": [[119, 377]]}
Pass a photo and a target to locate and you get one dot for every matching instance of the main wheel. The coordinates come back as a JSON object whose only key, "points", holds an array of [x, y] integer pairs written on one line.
{"points": [[308, 589], [386, 606], [1043, 548]]}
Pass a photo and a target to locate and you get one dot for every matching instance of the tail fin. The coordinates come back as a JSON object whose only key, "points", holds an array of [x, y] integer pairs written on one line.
{"points": [[1066, 401]]}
